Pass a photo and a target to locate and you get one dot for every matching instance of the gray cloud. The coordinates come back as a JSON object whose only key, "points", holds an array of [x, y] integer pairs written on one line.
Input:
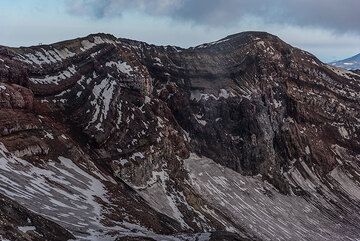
{"points": [[113, 8], [342, 15], [339, 15]]}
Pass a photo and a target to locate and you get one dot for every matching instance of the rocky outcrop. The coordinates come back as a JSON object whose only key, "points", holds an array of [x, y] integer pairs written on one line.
{"points": [[215, 142]]}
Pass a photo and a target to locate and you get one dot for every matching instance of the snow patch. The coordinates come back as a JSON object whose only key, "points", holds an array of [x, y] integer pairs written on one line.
{"points": [[27, 229], [196, 95], [122, 67], [199, 120], [343, 132], [55, 79], [103, 93], [46, 56]]}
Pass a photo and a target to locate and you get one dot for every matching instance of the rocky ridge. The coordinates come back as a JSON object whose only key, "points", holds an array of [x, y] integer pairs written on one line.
{"points": [[245, 138]]}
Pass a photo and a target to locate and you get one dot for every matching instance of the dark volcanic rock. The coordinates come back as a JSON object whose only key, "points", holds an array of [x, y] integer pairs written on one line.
{"points": [[246, 138]]}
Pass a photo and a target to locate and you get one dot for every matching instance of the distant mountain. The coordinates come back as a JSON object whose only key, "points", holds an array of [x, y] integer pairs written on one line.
{"points": [[349, 63]]}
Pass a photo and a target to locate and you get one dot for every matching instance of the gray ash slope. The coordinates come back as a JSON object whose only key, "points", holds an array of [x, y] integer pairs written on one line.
{"points": [[246, 138]]}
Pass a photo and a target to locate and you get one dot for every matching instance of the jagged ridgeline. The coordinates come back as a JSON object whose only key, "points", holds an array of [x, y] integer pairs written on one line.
{"points": [[246, 138]]}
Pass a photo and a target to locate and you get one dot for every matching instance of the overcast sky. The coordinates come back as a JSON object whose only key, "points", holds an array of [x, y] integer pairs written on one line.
{"points": [[329, 29]]}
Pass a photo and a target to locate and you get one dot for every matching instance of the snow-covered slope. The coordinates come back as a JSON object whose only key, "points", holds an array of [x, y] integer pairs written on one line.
{"points": [[254, 204]]}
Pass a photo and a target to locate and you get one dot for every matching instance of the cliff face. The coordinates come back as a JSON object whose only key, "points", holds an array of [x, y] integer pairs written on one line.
{"points": [[246, 138]]}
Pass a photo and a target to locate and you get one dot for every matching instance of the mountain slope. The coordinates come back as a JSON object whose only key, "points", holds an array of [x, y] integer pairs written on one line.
{"points": [[246, 138], [352, 63]]}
